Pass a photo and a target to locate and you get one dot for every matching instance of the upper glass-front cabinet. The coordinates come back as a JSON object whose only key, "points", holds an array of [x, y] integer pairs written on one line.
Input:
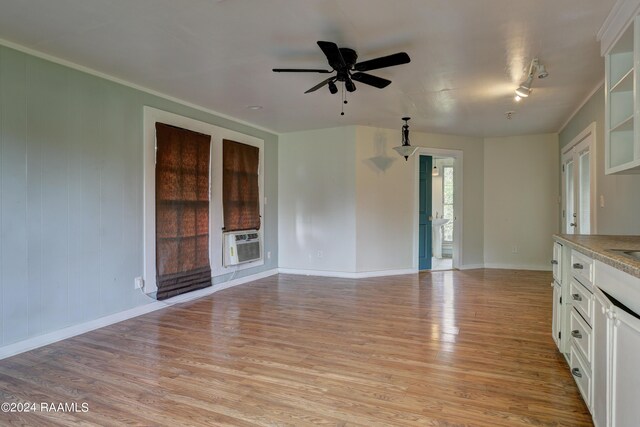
{"points": [[622, 120]]}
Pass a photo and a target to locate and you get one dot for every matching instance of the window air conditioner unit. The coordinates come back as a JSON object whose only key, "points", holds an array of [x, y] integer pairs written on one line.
{"points": [[241, 247]]}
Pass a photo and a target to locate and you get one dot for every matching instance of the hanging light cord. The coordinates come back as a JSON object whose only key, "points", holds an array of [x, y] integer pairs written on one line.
{"points": [[344, 100]]}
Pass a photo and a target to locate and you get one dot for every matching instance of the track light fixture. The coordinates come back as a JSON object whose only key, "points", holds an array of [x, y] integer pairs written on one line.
{"points": [[535, 70]]}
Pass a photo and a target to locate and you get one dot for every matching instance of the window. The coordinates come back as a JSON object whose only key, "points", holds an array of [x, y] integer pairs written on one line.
{"points": [[240, 190], [182, 210], [447, 196], [214, 191]]}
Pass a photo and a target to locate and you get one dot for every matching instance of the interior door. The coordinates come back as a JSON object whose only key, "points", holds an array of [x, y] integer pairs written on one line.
{"points": [[569, 213], [578, 187], [424, 213]]}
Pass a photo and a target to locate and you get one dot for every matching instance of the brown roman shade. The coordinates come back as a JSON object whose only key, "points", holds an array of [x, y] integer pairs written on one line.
{"points": [[182, 210], [240, 191]]}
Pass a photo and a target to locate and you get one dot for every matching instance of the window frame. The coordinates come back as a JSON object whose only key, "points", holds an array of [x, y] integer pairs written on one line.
{"points": [[153, 115]]}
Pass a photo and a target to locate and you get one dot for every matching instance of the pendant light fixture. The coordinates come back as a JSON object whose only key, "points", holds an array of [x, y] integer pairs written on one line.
{"points": [[405, 150]]}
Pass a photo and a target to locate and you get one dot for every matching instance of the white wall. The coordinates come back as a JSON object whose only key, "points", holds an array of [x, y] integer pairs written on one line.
{"points": [[385, 189], [345, 192], [520, 200], [317, 211]]}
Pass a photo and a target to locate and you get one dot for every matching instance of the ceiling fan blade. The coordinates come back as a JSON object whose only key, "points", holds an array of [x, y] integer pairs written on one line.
{"points": [[383, 62], [300, 70], [319, 85], [368, 79], [332, 52]]}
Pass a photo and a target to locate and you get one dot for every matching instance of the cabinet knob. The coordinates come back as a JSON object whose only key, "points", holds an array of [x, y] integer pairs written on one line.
{"points": [[576, 372], [576, 334], [576, 297], [554, 262], [578, 266]]}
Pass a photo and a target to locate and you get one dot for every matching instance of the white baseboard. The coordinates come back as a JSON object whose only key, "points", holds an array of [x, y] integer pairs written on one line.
{"points": [[71, 331], [534, 267], [347, 275], [471, 266]]}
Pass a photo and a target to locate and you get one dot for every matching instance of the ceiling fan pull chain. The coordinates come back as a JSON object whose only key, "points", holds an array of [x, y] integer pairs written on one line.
{"points": [[344, 100]]}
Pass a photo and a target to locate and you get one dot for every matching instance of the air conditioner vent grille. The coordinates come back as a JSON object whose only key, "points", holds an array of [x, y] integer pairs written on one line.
{"points": [[241, 247]]}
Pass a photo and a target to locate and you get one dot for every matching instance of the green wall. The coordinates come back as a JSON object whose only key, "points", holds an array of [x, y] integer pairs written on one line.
{"points": [[71, 194], [621, 193]]}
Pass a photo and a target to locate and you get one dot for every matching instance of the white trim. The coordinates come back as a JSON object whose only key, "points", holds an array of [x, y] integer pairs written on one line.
{"points": [[72, 331], [82, 68], [622, 13], [582, 104], [153, 115], [345, 274], [457, 252], [534, 267], [471, 266]]}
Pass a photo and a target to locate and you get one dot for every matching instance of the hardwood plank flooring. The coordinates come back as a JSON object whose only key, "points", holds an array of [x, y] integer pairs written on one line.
{"points": [[440, 349]]}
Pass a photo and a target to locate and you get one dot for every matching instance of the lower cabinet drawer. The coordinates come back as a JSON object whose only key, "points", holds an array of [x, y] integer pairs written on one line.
{"points": [[581, 300], [582, 374], [581, 335]]}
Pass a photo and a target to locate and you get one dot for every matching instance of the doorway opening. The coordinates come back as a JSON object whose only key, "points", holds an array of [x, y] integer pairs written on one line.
{"points": [[439, 210]]}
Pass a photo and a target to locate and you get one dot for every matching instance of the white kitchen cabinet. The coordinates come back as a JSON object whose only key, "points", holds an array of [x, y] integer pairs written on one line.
{"points": [[556, 262], [601, 354], [625, 369], [622, 141], [557, 313], [602, 331]]}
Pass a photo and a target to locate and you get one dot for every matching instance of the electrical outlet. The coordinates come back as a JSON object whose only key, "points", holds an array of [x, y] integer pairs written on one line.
{"points": [[320, 254], [268, 254], [514, 249], [138, 283], [602, 200]]}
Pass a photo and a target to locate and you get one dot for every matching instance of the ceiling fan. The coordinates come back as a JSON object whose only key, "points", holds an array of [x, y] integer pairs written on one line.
{"points": [[343, 61]]}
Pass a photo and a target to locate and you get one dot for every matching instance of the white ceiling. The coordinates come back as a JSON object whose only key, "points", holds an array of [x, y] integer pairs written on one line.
{"points": [[468, 56]]}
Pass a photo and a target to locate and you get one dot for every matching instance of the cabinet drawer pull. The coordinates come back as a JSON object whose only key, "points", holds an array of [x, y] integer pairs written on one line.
{"points": [[576, 334], [576, 372], [554, 262], [578, 266], [576, 297]]}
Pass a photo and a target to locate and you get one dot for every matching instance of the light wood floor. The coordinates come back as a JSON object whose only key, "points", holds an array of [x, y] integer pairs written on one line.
{"points": [[443, 348]]}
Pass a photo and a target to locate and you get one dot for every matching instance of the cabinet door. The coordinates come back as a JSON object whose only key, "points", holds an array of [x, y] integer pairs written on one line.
{"points": [[557, 310], [601, 353], [625, 352], [557, 262]]}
